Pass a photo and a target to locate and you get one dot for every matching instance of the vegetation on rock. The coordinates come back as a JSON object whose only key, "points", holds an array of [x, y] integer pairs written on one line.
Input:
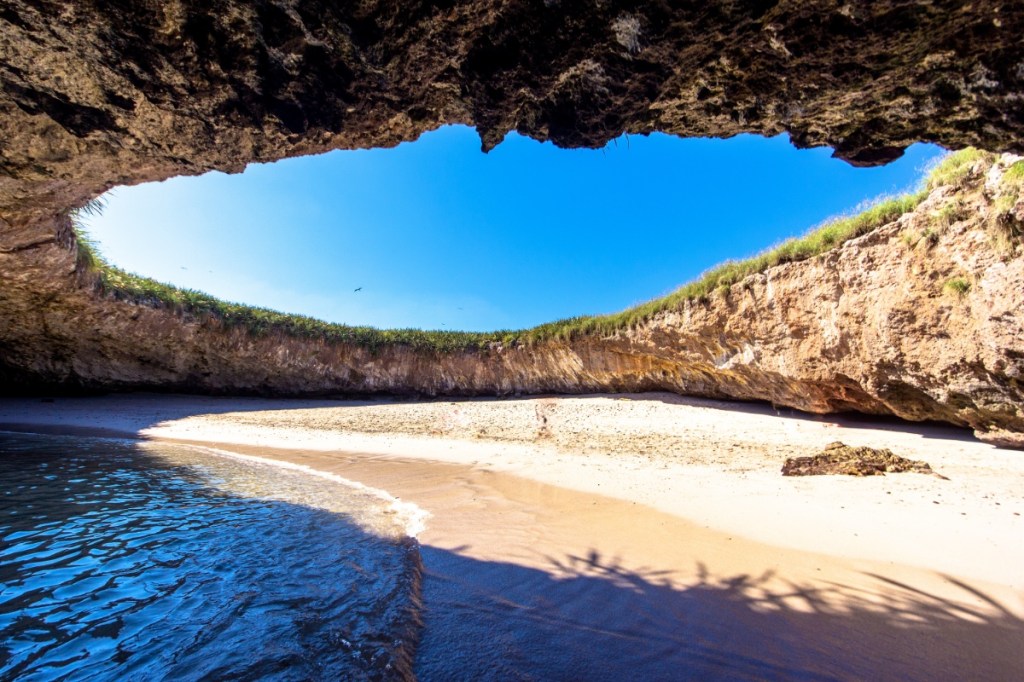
{"points": [[119, 284], [958, 285]]}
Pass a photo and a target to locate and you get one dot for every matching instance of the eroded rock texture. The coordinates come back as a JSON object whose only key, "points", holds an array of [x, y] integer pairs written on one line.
{"points": [[95, 93], [919, 319], [840, 459]]}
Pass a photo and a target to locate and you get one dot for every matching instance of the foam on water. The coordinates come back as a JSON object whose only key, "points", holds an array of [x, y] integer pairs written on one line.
{"points": [[121, 560], [409, 518]]}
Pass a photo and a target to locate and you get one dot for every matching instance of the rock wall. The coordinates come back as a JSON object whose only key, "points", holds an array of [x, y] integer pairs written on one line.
{"points": [[873, 326], [97, 93]]}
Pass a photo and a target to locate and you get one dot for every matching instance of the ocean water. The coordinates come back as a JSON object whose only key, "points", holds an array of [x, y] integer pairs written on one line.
{"points": [[130, 561]]}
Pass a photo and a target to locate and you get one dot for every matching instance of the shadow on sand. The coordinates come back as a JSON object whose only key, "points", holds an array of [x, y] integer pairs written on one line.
{"points": [[588, 618]]}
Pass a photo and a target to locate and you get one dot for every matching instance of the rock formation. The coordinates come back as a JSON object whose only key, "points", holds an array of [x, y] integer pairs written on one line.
{"points": [[96, 94], [842, 460], [918, 319]]}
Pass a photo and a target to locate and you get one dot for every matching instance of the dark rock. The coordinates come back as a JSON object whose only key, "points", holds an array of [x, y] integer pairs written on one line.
{"points": [[94, 94]]}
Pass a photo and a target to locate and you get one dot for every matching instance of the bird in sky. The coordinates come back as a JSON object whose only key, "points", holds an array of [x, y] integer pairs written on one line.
{"points": [[358, 289]]}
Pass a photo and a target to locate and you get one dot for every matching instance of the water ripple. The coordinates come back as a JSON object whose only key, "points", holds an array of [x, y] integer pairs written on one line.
{"points": [[122, 561]]}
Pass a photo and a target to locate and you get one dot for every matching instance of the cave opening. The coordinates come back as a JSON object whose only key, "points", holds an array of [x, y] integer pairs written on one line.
{"points": [[436, 235]]}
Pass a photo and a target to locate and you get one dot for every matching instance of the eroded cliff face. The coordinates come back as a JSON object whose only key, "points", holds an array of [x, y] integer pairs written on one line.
{"points": [[95, 94], [919, 319]]}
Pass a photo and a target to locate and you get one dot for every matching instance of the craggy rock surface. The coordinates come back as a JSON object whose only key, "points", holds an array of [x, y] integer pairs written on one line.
{"points": [[95, 94], [838, 458], [872, 326]]}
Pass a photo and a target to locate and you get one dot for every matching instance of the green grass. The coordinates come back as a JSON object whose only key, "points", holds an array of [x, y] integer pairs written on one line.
{"points": [[1015, 174], [947, 216], [125, 286], [1006, 229], [957, 285], [117, 283], [1012, 185], [955, 167]]}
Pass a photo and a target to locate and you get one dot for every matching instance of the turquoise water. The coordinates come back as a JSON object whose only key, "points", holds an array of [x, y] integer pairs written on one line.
{"points": [[125, 561]]}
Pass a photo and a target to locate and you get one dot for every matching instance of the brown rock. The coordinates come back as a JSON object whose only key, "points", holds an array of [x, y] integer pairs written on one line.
{"points": [[841, 459], [124, 91], [868, 327], [98, 94]]}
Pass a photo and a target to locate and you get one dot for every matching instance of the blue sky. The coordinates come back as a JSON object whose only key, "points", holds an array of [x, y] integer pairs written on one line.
{"points": [[439, 235]]}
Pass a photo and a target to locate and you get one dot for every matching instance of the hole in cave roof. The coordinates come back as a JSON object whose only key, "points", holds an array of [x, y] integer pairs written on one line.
{"points": [[436, 235]]}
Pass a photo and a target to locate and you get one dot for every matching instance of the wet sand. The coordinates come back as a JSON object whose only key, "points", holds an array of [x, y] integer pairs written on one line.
{"points": [[653, 537]]}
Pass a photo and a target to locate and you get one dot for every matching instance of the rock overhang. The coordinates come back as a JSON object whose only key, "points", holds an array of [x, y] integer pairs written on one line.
{"points": [[94, 94], [97, 93]]}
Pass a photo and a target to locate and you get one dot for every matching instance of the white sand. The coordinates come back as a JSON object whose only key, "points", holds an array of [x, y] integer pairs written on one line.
{"points": [[612, 536], [715, 464]]}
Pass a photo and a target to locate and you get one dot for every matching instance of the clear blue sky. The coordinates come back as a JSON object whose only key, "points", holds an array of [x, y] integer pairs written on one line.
{"points": [[442, 236]]}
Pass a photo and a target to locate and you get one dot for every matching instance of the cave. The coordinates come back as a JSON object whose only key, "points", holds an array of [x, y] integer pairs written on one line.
{"points": [[99, 94]]}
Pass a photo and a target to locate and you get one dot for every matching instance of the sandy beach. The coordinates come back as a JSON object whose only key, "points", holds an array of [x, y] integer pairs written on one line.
{"points": [[653, 531]]}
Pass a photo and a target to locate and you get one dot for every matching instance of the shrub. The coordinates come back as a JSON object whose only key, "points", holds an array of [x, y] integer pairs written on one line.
{"points": [[957, 285], [1014, 174], [952, 169], [949, 214]]}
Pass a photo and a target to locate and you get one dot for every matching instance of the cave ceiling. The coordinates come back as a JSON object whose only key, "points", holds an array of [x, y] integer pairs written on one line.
{"points": [[97, 93]]}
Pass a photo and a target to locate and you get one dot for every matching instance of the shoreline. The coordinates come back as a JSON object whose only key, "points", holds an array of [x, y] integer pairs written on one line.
{"points": [[558, 563], [713, 464]]}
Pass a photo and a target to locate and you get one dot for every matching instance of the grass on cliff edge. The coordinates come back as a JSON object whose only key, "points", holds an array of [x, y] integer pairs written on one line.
{"points": [[126, 286]]}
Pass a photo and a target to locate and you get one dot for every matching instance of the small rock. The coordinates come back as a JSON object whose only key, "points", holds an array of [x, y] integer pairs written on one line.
{"points": [[839, 458]]}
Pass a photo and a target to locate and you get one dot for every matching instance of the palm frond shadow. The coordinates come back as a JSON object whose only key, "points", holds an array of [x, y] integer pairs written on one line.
{"points": [[592, 617]]}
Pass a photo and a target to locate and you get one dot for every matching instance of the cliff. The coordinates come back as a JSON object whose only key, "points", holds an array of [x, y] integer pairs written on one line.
{"points": [[919, 318]]}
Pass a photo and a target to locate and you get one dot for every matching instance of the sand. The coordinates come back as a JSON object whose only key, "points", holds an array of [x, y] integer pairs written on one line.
{"points": [[612, 537]]}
